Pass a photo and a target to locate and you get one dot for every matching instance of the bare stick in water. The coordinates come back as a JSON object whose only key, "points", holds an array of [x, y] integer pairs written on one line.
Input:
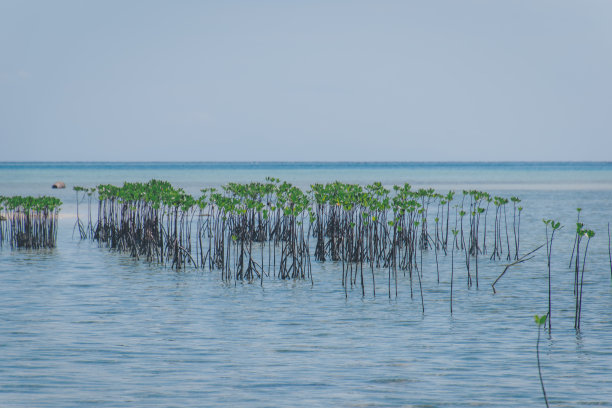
{"points": [[522, 259]]}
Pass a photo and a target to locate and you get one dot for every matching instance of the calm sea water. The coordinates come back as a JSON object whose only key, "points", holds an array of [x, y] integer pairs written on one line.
{"points": [[82, 326]]}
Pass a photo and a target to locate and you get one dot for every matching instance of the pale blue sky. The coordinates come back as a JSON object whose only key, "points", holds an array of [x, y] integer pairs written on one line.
{"points": [[306, 80]]}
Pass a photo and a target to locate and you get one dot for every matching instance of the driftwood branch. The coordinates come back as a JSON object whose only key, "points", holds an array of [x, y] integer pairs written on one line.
{"points": [[522, 259]]}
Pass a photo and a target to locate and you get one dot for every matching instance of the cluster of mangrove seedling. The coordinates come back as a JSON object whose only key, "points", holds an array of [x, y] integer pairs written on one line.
{"points": [[373, 226], [577, 258], [248, 231], [246, 218], [29, 222], [156, 221], [150, 220]]}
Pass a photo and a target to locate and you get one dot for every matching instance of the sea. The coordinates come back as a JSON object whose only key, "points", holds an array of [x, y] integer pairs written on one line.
{"points": [[81, 325]]}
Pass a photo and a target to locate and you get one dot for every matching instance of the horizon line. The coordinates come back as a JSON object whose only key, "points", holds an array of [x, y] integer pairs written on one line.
{"points": [[309, 161]]}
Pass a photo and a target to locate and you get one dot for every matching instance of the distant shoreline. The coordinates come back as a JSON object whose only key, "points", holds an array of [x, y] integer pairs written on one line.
{"points": [[314, 162]]}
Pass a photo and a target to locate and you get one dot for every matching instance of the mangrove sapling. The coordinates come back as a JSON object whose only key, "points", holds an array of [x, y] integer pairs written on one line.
{"points": [[449, 198], [475, 198], [579, 226], [508, 257], [555, 226], [518, 231], [436, 245], [462, 214], [419, 273], [202, 227], [540, 321], [476, 246], [464, 247], [90, 226], [371, 250], [439, 221], [439, 213], [426, 195], [79, 223], [456, 241], [588, 234], [421, 248], [474, 241], [454, 231], [392, 264], [578, 210], [515, 201], [496, 230], [484, 233]]}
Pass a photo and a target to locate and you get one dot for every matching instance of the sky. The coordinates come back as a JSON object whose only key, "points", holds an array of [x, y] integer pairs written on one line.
{"points": [[306, 80]]}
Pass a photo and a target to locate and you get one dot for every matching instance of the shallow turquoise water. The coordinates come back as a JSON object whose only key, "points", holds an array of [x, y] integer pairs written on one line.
{"points": [[84, 326]]}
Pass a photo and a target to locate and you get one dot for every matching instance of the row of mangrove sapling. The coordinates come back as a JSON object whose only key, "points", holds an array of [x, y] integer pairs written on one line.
{"points": [[227, 231], [150, 220], [250, 231], [578, 258], [29, 222]]}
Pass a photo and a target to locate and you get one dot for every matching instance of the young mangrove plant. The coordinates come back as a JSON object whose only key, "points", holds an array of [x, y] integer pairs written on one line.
{"points": [[449, 197], [78, 223], [489, 200], [540, 321], [579, 274], [475, 245], [464, 247], [500, 210], [516, 227], [554, 225], [452, 268], [578, 210]]}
